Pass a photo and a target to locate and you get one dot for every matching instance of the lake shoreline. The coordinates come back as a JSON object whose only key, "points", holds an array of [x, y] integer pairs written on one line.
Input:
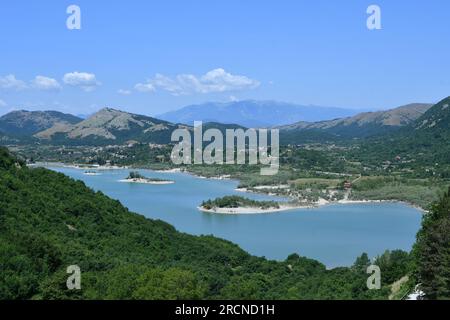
{"points": [[256, 189], [77, 166], [251, 210], [315, 205], [323, 202], [146, 181]]}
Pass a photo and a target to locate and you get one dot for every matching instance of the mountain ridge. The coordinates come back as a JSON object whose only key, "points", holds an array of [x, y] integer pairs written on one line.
{"points": [[253, 113], [423, 143], [363, 124], [25, 123], [111, 125]]}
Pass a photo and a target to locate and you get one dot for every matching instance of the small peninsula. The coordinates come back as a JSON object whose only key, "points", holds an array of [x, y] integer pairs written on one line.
{"points": [[136, 177], [241, 205]]}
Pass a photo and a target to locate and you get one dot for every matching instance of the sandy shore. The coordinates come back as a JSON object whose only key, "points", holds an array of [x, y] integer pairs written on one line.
{"points": [[175, 170], [76, 166], [223, 177], [281, 186], [361, 201], [321, 202], [146, 181], [96, 167], [250, 210]]}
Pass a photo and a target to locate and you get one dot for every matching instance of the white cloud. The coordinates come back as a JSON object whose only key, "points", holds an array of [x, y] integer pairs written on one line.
{"points": [[2, 103], [46, 84], [124, 92], [10, 82], [217, 80], [144, 87], [83, 80]]}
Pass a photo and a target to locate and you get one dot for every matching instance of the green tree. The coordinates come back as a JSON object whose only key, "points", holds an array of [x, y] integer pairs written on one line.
{"points": [[171, 284], [432, 251], [361, 263]]}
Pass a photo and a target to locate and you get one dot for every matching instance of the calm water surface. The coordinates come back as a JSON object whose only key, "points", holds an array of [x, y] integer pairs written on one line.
{"points": [[334, 235]]}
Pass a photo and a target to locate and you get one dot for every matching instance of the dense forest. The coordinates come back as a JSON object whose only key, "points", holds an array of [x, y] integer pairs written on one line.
{"points": [[49, 221]]}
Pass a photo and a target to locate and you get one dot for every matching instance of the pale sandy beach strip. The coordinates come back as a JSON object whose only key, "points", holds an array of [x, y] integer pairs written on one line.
{"points": [[251, 210], [145, 181]]}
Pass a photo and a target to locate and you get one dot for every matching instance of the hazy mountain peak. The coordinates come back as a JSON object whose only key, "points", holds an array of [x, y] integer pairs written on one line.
{"points": [[110, 110], [254, 113]]}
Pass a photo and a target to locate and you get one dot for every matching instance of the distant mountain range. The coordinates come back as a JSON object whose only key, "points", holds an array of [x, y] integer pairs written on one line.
{"points": [[26, 123], [359, 126], [254, 114], [110, 126]]}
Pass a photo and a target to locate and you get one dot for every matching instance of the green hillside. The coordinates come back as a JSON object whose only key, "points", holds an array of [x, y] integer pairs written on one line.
{"points": [[109, 126], [26, 123], [422, 146], [49, 221], [360, 126]]}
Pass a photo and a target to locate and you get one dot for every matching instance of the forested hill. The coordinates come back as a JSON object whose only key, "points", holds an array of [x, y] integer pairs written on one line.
{"points": [[423, 146], [49, 221], [26, 123], [110, 126], [360, 126]]}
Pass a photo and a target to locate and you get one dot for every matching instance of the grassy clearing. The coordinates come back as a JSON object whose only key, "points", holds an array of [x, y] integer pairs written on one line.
{"points": [[419, 192]]}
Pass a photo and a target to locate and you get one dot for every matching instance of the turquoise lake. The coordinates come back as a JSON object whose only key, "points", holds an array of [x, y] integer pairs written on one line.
{"points": [[334, 234]]}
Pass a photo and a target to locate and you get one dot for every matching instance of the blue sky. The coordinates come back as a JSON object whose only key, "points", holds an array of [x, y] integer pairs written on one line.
{"points": [[150, 57]]}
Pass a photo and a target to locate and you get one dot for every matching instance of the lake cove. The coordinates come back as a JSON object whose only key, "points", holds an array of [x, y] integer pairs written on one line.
{"points": [[186, 310], [333, 234]]}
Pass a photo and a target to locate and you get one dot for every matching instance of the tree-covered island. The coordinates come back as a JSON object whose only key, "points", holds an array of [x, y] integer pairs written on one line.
{"points": [[136, 177]]}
